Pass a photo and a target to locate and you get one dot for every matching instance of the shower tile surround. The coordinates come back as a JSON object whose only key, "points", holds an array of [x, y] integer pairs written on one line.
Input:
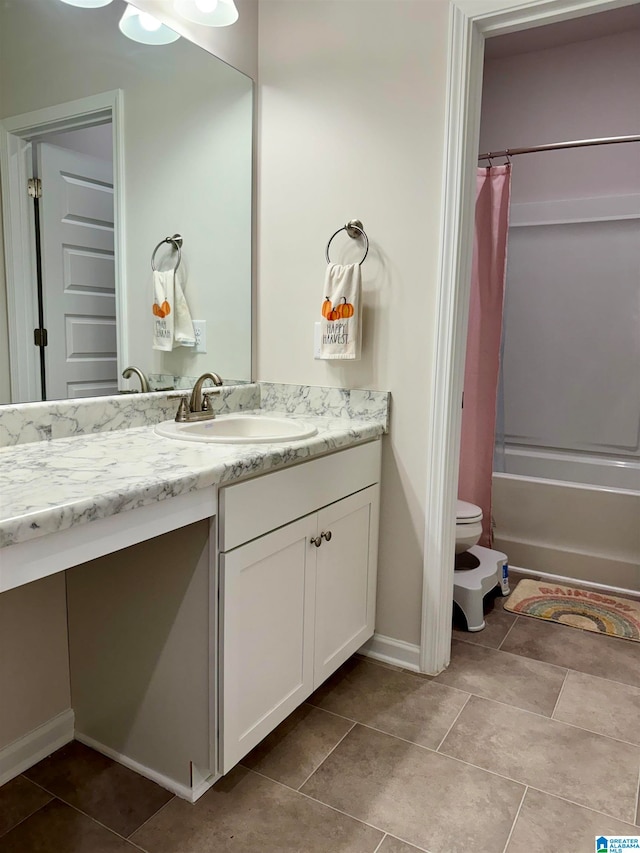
{"points": [[117, 464]]}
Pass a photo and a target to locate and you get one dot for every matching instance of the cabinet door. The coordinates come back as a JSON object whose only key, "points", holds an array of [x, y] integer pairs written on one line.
{"points": [[266, 634], [345, 580]]}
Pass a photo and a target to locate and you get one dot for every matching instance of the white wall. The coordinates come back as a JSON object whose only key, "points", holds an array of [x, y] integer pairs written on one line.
{"points": [[352, 125], [578, 91]]}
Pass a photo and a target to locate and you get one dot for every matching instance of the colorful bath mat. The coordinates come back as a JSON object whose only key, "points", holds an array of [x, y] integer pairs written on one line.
{"points": [[579, 608]]}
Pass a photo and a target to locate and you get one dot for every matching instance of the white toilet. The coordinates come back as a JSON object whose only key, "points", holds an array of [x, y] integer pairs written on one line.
{"points": [[478, 570], [468, 526]]}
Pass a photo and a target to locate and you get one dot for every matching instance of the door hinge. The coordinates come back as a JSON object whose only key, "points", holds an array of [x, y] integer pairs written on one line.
{"points": [[40, 337], [34, 188]]}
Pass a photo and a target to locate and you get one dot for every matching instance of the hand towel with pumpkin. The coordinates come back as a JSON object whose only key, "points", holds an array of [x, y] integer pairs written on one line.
{"points": [[172, 324], [341, 313]]}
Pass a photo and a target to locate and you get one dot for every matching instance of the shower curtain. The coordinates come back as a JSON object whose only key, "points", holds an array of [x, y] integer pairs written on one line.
{"points": [[483, 341]]}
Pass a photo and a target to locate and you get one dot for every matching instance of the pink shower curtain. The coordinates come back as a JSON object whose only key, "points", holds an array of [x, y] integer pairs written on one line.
{"points": [[483, 341]]}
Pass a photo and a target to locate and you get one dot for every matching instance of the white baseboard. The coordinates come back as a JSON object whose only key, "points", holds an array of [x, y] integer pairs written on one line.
{"points": [[185, 792], [36, 745], [395, 652]]}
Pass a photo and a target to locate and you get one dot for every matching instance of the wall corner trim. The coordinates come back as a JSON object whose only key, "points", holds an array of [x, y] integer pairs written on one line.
{"points": [[185, 792], [23, 753], [396, 652]]}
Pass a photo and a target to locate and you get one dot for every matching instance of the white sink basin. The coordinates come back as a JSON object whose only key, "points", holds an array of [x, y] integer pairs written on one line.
{"points": [[237, 429]]}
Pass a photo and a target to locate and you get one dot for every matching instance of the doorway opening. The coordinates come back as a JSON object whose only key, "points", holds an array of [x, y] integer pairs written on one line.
{"points": [[470, 24]]}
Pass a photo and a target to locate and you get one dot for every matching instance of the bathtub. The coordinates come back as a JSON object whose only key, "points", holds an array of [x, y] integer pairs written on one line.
{"points": [[573, 468], [574, 517]]}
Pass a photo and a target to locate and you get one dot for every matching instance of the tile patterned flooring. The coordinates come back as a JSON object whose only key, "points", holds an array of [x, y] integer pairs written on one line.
{"points": [[529, 741]]}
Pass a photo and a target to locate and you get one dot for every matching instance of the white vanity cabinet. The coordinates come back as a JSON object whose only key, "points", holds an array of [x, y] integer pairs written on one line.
{"points": [[196, 624], [297, 562]]}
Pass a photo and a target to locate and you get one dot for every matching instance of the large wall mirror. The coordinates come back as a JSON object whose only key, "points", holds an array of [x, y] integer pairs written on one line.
{"points": [[132, 143]]}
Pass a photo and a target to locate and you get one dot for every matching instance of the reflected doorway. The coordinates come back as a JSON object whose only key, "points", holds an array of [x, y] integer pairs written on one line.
{"points": [[74, 249], [62, 240]]}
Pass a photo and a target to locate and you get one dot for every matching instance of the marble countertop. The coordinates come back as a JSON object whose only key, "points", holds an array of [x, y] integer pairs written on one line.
{"points": [[48, 486]]}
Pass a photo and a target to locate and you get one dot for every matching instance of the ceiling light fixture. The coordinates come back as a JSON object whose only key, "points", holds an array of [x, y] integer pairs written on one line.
{"points": [[87, 4], [144, 28], [209, 13]]}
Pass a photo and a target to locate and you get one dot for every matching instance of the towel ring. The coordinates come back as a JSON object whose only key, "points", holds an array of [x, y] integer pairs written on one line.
{"points": [[354, 229], [176, 242]]}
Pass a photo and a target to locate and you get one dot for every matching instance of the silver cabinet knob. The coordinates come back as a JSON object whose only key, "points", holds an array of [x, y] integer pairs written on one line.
{"points": [[326, 535], [317, 541]]}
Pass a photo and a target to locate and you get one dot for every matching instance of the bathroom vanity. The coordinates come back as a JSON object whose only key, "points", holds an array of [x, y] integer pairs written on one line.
{"points": [[297, 569], [216, 586]]}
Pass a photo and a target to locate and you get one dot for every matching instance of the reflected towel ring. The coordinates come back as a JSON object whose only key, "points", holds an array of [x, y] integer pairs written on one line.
{"points": [[354, 229], [176, 242]]}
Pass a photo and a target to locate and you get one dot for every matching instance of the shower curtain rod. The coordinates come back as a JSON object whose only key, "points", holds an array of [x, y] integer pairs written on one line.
{"points": [[556, 146]]}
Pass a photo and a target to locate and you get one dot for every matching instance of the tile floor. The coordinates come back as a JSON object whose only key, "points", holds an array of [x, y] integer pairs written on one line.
{"points": [[529, 741]]}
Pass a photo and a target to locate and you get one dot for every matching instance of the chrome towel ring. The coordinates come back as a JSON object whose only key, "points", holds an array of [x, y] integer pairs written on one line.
{"points": [[354, 229], [176, 242]]}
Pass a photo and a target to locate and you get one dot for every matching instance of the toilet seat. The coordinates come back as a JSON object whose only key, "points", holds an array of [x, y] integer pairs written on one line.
{"points": [[468, 525], [467, 513]]}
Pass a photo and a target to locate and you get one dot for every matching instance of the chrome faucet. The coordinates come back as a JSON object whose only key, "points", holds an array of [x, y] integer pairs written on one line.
{"points": [[199, 407], [144, 382]]}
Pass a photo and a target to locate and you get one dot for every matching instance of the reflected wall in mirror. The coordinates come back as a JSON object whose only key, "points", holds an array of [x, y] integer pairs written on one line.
{"points": [[182, 157]]}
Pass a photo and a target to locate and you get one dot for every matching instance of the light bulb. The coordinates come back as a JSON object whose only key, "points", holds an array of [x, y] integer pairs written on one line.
{"points": [[209, 13], [144, 28], [149, 23], [87, 4]]}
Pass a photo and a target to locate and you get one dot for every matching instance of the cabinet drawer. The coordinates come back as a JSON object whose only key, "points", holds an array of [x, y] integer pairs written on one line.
{"points": [[250, 509]]}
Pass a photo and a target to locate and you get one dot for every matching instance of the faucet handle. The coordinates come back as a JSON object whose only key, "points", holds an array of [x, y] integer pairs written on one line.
{"points": [[183, 412], [206, 402]]}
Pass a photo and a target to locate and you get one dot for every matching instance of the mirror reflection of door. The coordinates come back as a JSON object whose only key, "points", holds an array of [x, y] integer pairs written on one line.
{"points": [[76, 242]]}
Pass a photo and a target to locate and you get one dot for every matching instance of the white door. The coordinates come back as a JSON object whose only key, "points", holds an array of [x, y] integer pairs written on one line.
{"points": [[345, 580], [267, 634], [77, 244]]}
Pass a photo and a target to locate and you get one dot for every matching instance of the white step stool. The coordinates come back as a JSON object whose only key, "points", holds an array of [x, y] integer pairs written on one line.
{"points": [[471, 585]]}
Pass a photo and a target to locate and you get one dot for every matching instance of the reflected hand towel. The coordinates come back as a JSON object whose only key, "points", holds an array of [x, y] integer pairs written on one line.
{"points": [[172, 324]]}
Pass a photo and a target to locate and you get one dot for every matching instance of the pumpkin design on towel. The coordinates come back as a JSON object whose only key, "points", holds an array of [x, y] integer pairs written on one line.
{"points": [[161, 310], [344, 310]]}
